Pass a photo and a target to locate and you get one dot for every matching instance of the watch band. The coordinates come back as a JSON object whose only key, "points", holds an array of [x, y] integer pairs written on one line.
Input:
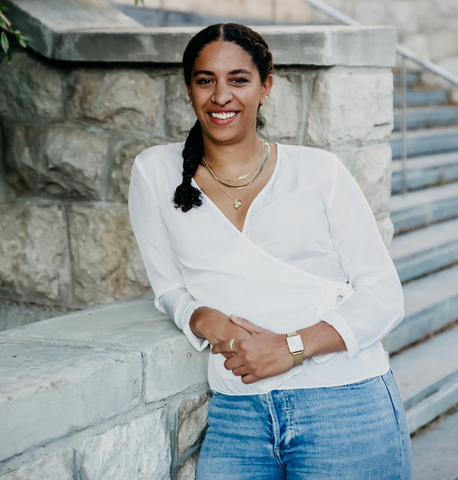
{"points": [[298, 359]]}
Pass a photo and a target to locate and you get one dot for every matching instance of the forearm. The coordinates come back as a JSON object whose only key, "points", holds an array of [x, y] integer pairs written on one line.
{"points": [[320, 338], [215, 326]]}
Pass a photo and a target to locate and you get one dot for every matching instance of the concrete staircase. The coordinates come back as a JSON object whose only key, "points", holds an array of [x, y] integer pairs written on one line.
{"points": [[424, 347]]}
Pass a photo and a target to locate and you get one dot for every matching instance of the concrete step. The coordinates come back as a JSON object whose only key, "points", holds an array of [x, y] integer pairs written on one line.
{"points": [[423, 207], [426, 142], [426, 250], [418, 97], [424, 117], [435, 451], [427, 376], [431, 303], [413, 76], [425, 171]]}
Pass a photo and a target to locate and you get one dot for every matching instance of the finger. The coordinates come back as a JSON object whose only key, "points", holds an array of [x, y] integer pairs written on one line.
{"points": [[247, 379], [222, 347], [233, 363], [245, 324], [241, 371]]}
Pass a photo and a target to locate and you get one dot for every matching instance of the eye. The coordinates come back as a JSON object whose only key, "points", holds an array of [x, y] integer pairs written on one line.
{"points": [[203, 81], [239, 80]]}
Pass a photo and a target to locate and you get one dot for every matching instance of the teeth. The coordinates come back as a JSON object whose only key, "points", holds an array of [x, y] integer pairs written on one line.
{"points": [[223, 116]]}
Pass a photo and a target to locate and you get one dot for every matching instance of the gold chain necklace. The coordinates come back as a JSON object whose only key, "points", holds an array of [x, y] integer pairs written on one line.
{"points": [[238, 187], [237, 200]]}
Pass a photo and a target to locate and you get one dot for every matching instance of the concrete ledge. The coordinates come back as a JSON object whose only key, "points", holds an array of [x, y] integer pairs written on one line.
{"points": [[69, 372], [96, 32]]}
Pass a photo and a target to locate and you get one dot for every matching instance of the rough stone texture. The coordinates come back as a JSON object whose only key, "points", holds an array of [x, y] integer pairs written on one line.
{"points": [[57, 161], [125, 99], [13, 316], [351, 106], [179, 115], [283, 113], [33, 252], [118, 189], [30, 89], [138, 450], [403, 15], [48, 391], [55, 466], [386, 229], [192, 421], [103, 248], [188, 470], [374, 177], [348, 158]]}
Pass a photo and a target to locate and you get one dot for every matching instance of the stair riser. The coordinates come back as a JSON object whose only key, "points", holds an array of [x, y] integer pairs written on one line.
{"points": [[426, 177], [420, 324], [417, 98], [418, 146], [422, 215], [427, 261], [429, 409], [412, 77], [422, 120]]}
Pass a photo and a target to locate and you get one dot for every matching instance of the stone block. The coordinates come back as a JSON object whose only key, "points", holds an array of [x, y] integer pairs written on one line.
{"points": [[138, 450], [284, 114], [188, 470], [31, 89], [118, 189], [179, 115], [48, 391], [348, 158], [350, 107], [103, 248], [192, 421], [55, 466], [64, 162], [374, 177], [122, 99], [371, 12], [443, 44], [34, 260], [386, 229], [404, 16]]}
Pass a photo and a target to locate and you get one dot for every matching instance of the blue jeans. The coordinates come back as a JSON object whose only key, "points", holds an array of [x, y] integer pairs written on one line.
{"points": [[351, 432]]}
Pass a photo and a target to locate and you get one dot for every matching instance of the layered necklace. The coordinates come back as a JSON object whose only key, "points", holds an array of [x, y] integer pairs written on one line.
{"points": [[227, 182]]}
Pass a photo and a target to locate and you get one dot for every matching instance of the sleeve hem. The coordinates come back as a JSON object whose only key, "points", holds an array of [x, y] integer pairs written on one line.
{"points": [[343, 329]]}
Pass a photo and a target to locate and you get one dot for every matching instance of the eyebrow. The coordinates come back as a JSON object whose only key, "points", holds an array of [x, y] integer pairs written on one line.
{"points": [[233, 72]]}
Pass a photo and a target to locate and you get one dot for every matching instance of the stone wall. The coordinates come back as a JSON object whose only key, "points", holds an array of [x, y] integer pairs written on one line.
{"points": [[71, 131]]}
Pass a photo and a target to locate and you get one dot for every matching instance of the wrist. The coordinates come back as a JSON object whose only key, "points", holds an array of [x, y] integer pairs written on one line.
{"points": [[196, 321]]}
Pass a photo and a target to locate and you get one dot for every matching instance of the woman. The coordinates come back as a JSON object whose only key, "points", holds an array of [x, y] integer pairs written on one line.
{"points": [[271, 254]]}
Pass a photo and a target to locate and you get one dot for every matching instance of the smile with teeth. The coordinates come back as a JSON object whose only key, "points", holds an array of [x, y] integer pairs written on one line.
{"points": [[223, 116]]}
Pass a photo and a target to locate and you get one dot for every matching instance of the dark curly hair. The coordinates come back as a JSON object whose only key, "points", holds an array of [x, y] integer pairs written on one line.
{"points": [[186, 196]]}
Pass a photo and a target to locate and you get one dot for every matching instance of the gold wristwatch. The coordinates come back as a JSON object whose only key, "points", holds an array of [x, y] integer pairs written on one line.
{"points": [[296, 347]]}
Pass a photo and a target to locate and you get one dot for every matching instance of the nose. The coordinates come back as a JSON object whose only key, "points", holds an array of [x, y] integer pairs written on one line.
{"points": [[222, 95]]}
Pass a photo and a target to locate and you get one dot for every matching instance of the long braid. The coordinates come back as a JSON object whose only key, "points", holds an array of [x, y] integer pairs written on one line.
{"points": [[186, 196]]}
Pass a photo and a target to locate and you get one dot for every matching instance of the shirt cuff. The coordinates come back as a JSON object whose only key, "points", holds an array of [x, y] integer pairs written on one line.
{"points": [[197, 342], [343, 329]]}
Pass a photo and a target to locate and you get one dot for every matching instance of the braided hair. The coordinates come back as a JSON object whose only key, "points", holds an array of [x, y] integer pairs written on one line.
{"points": [[186, 196]]}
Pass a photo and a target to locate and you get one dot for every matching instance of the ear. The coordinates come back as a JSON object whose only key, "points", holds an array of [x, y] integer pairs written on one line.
{"points": [[188, 88], [267, 85]]}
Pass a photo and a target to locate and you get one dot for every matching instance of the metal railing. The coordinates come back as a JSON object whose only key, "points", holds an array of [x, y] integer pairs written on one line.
{"points": [[405, 54]]}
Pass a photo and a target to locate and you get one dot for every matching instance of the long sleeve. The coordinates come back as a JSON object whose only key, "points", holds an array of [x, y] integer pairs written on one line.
{"points": [[152, 237], [377, 304]]}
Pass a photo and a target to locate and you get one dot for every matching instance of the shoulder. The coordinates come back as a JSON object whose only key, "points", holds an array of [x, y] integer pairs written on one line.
{"points": [[161, 157]]}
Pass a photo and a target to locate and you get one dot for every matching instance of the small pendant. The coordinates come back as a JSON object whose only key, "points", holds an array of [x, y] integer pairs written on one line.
{"points": [[237, 204]]}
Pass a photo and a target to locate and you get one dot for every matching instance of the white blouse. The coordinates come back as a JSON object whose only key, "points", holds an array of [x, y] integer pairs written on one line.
{"points": [[309, 251]]}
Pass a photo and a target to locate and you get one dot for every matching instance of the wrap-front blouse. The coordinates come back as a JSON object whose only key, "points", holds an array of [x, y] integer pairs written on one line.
{"points": [[309, 251]]}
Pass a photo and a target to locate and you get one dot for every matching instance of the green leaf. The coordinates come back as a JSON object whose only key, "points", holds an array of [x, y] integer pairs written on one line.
{"points": [[23, 41], [3, 8], [4, 42], [3, 24]]}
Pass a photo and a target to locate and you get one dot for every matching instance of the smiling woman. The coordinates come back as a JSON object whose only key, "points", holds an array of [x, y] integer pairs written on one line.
{"points": [[258, 256]]}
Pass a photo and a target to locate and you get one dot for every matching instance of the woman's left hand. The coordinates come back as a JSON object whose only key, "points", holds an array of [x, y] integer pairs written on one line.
{"points": [[264, 354]]}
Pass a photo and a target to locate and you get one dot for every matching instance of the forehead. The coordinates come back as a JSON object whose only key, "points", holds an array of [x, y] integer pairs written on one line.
{"points": [[221, 56]]}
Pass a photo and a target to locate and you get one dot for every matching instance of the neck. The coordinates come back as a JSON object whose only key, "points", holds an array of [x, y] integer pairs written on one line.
{"points": [[234, 157]]}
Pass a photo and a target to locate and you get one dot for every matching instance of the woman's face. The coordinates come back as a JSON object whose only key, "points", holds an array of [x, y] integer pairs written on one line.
{"points": [[226, 91]]}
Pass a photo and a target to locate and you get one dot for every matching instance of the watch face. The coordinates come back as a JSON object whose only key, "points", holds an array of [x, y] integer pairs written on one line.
{"points": [[295, 343]]}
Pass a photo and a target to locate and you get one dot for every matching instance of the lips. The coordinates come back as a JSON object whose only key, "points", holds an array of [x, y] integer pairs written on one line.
{"points": [[222, 118]]}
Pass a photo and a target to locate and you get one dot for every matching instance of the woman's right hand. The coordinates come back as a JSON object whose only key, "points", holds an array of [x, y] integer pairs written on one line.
{"points": [[215, 327]]}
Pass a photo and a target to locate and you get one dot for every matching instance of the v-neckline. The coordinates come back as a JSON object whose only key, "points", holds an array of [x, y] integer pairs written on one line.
{"points": [[261, 192]]}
